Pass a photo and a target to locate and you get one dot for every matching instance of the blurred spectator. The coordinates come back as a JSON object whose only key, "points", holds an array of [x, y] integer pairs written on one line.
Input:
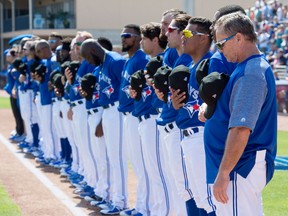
{"points": [[263, 41], [280, 58]]}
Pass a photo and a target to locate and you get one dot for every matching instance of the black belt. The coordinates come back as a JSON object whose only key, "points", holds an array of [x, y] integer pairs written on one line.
{"points": [[169, 127], [126, 113], [108, 105], [144, 117], [190, 131], [75, 103], [90, 112], [159, 110]]}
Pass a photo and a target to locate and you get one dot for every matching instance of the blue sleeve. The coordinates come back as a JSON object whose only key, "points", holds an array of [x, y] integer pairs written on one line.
{"points": [[117, 68], [10, 83], [247, 98]]}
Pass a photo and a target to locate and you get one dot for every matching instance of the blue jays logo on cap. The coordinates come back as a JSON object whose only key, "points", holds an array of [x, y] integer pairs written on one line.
{"points": [[126, 90], [192, 107], [108, 91], [146, 92]]}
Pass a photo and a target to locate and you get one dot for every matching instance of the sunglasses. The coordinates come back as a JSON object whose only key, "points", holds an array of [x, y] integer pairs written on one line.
{"points": [[172, 28], [220, 44], [188, 33], [52, 41], [79, 43], [128, 35]]}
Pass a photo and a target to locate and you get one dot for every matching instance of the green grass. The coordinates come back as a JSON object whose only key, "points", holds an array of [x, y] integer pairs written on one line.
{"points": [[7, 207], [275, 199], [4, 103], [282, 143]]}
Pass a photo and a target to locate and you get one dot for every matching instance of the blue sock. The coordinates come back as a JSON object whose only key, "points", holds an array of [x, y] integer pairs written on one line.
{"points": [[191, 208], [202, 212], [35, 134], [68, 157], [63, 148]]}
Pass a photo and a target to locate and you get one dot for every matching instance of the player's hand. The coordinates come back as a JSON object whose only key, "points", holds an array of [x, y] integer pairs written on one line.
{"points": [[99, 130], [177, 98], [82, 92], [70, 114], [149, 80], [68, 75], [132, 92], [57, 92], [38, 78], [22, 78], [159, 94], [50, 86], [201, 112], [14, 93], [220, 188]]}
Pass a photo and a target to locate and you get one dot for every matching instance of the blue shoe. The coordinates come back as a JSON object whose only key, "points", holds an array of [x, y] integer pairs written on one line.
{"points": [[74, 176], [23, 145], [19, 138], [93, 198], [76, 181], [37, 153], [104, 205], [13, 136], [39, 159], [29, 150], [111, 211], [55, 163], [129, 212], [96, 203], [89, 194]]}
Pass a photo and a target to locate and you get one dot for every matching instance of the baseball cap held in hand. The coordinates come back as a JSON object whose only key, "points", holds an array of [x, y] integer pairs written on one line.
{"points": [[161, 80], [210, 89], [202, 70], [153, 65], [179, 79], [137, 83], [88, 84]]}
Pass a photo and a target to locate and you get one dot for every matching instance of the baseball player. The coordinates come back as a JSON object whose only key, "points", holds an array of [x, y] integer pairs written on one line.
{"points": [[49, 63], [137, 60], [169, 132], [196, 40], [78, 114], [10, 89], [170, 54], [109, 80], [245, 154], [101, 184], [26, 96]]}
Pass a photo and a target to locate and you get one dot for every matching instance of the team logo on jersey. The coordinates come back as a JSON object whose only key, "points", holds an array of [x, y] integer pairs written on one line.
{"points": [[95, 96], [126, 91], [76, 89], [146, 92], [108, 91], [192, 107]]}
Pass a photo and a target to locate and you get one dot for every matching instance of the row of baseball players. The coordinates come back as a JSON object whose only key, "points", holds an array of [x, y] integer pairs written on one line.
{"points": [[106, 109]]}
